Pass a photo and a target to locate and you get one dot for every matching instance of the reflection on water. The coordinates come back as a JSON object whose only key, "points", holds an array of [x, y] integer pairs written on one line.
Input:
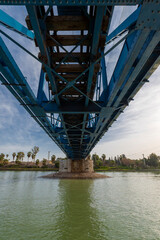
{"points": [[126, 206], [78, 216]]}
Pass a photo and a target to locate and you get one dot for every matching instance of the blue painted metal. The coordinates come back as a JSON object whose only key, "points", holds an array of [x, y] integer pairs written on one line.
{"points": [[71, 84], [14, 25], [72, 117], [104, 94], [52, 107], [149, 16], [94, 49], [71, 2], [17, 84], [41, 61], [131, 86], [40, 94], [126, 25]]}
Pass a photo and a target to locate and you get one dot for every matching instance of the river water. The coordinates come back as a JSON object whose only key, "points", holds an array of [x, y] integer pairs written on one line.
{"points": [[125, 206]]}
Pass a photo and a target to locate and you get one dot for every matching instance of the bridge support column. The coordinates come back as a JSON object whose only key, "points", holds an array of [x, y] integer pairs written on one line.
{"points": [[76, 166], [76, 169]]}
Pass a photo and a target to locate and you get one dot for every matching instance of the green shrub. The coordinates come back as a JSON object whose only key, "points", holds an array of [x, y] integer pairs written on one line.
{"points": [[5, 162], [57, 164], [44, 162]]}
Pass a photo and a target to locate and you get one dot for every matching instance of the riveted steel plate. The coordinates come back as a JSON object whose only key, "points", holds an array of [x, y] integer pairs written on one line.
{"points": [[149, 17], [70, 2]]}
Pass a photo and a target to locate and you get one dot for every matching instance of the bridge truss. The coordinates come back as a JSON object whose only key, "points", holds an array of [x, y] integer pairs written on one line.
{"points": [[72, 36]]}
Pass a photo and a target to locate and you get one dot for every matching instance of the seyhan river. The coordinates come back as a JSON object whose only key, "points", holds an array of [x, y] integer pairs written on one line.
{"points": [[125, 206]]}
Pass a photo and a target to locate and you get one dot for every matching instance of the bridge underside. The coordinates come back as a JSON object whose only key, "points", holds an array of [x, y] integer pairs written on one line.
{"points": [[73, 42], [75, 37]]}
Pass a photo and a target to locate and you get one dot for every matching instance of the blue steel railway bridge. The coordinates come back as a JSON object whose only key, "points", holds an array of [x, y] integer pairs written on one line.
{"points": [[73, 38]]}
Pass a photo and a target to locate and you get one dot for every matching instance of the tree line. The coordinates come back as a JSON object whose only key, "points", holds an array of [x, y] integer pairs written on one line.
{"points": [[99, 161], [18, 157], [152, 160]]}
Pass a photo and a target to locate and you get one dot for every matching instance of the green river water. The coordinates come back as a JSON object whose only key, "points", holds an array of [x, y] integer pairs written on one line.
{"points": [[125, 206]]}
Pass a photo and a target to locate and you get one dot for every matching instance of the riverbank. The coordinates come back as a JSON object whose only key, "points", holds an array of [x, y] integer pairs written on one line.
{"points": [[127, 170], [109, 169], [28, 169]]}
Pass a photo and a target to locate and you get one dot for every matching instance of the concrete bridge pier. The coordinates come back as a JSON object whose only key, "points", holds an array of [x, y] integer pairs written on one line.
{"points": [[76, 169], [76, 166]]}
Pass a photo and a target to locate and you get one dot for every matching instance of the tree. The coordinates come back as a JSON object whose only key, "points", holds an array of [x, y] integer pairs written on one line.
{"points": [[20, 156], [37, 162], [153, 160], [123, 156], [35, 150], [57, 164], [44, 162], [2, 155], [53, 158], [29, 154], [33, 156], [5, 161], [96, 160], [103, 158], [13, 155], [7, 155], [95, 157]]}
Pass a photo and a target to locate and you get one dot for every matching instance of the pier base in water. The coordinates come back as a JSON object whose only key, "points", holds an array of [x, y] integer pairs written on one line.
{"points": [[76, 169]]}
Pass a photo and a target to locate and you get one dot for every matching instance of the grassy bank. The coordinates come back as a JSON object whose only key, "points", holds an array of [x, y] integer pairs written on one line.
{"points": [[102, 169], [27, 169], [125, 169]]}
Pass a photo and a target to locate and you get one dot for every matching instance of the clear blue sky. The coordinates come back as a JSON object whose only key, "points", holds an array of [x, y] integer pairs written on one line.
{"points": [[136, 132]]}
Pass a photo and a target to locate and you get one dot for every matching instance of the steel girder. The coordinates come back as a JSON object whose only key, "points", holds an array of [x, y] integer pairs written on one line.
{"points": [[71, 2], [40, 34], [14, 80], [12, 24], [91, 114]]}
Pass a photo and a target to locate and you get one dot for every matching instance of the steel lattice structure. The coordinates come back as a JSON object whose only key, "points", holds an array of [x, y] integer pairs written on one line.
{"points": [[82, 103]]}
